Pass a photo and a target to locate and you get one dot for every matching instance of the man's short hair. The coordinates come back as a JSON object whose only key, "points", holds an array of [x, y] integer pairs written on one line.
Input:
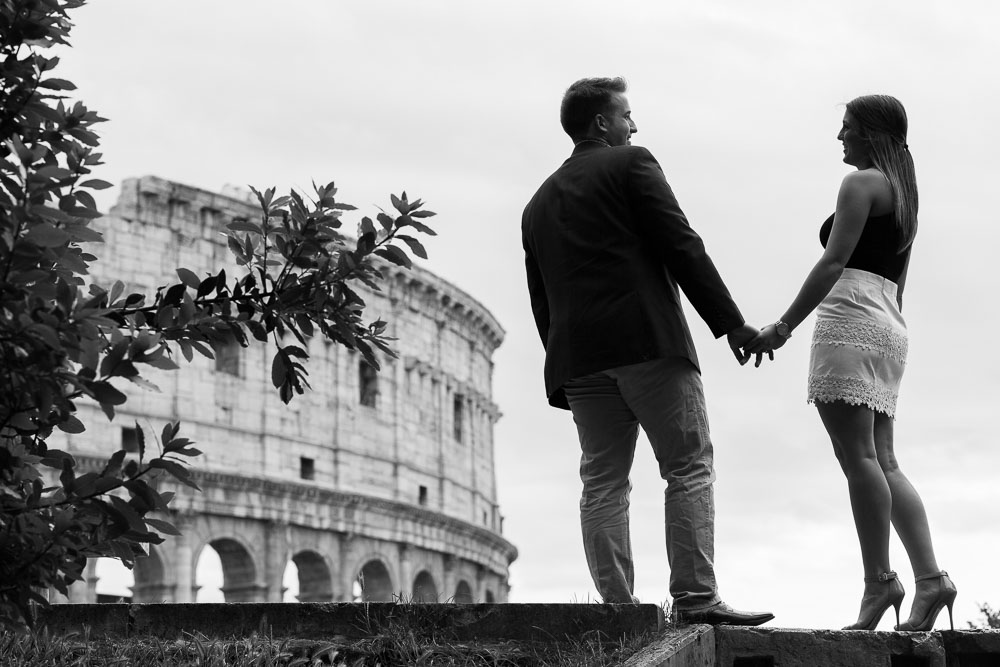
{"points": [[585, 99]]}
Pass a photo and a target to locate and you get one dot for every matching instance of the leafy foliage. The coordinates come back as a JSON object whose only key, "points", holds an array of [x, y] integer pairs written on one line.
{"points": [[63, 339], [990, 621]]}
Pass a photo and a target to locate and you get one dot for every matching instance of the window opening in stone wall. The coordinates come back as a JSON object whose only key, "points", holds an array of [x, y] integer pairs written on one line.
{"points": [[209, 216], [435, 409], [422, 496], [307, 468], [227, 358], [130, 439], [178, 208], [368, 383], [463, 593], [150, 200], [459, 410]]}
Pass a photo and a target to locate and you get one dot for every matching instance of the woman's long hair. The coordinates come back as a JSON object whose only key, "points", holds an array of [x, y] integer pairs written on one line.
{"points": [[883, 123]]}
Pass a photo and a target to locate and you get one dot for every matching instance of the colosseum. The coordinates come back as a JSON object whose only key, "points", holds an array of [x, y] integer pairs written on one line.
{"points": [[376, 486]]}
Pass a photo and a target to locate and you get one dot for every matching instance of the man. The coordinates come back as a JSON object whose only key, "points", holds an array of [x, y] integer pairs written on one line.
{"points": [[606, 247]]}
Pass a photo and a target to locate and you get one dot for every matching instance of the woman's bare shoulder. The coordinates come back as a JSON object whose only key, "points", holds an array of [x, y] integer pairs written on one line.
{"points": [[870, 184], [867, 180]]}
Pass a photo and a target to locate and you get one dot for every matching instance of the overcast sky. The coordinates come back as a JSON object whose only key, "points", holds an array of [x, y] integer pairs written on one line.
{"points": [[457, 103]]}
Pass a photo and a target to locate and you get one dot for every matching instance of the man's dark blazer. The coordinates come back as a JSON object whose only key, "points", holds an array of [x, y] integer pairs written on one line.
{"points": [[606, 246]]}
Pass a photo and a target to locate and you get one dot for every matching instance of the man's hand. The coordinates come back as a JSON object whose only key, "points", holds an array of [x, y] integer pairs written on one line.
{"points": [[739, 337]]}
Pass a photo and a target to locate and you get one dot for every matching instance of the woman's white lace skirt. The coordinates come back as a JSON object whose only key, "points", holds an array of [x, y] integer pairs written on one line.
{"points": [[859, 344]]}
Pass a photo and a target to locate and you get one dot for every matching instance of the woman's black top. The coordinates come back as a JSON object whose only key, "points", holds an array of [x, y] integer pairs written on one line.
{"points": [[878, 247]]}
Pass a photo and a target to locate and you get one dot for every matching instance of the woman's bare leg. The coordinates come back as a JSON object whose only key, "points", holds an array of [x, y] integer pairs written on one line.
{"points": [[852, 431], [910, 521], [908, 515]]}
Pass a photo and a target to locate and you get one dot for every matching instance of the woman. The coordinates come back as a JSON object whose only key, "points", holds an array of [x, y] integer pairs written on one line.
{"points": [[859, 351]]}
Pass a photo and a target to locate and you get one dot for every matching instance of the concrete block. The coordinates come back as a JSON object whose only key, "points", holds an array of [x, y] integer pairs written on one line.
{"points": [[971, 648], [100, 619], [770, 647], [690, 646]]}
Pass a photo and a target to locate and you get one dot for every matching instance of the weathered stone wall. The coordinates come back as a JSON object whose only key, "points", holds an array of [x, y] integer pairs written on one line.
{"points": [[407, 481]]}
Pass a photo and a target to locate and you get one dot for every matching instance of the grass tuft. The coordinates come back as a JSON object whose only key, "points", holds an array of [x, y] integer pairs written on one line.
{"points": [[393, 645]]}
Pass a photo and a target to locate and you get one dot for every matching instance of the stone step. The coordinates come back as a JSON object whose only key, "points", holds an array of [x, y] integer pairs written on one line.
{"points": [[729, 646]]}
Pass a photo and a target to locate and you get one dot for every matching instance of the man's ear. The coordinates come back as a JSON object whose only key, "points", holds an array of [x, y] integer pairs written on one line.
{"points": [[601, 123]]}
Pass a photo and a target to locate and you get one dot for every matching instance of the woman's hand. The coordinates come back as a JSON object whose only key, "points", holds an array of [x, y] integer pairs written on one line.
{"points": [[765, 342]]}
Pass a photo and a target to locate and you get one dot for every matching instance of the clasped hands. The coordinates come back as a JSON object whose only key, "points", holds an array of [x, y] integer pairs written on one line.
{"points": [[746, 341]]}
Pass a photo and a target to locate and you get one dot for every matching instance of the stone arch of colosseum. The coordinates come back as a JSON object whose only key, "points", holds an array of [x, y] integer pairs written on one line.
{"points": [[394, 468]]}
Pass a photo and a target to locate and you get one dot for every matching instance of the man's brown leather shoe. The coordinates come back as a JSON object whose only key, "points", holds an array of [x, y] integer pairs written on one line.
{"points": [[720, 614]]}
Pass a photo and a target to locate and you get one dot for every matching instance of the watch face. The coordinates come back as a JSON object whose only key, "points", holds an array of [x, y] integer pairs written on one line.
{"points": [[782, 329]]}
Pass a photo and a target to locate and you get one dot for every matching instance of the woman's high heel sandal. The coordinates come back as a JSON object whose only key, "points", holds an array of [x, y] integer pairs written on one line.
{"points": [[927, 606], [873, 605]]}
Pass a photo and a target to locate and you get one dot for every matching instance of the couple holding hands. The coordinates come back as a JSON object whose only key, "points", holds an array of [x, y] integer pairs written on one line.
{"points": [[607, 251]]}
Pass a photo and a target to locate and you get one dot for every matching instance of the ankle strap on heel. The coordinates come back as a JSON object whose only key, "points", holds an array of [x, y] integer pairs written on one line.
{"points": [[932, 575], [884, 577]]}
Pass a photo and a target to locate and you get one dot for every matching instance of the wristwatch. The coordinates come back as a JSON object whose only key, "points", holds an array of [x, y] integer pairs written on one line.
{"points": [[783, 329]]}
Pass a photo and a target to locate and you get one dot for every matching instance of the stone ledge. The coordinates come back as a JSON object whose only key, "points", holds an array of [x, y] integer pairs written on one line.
{"points": [[826, 648], [978, 648], [671, 646], [318, 620], [686, 646]]}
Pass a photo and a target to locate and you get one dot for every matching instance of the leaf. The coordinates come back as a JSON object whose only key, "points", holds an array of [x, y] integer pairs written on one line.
{"points": [[114, 464], [243, 225], [127, 513], [207, 285], [83, 234], [71, 425], [116, 291], [164, 363], [394, 255], [203, 349], [279, 368], [162, 526], [57, 84], [86, 199], [400, 204], [257, 329], [55, 173], [175, 469], [294, 351], [105, 393], [109, 365], [46, 234], [143, 495], [174, 294], [189, 278], [421, 227], [416, 247], [169, 432], [95, 184], [56, 458], [236, 248]]}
